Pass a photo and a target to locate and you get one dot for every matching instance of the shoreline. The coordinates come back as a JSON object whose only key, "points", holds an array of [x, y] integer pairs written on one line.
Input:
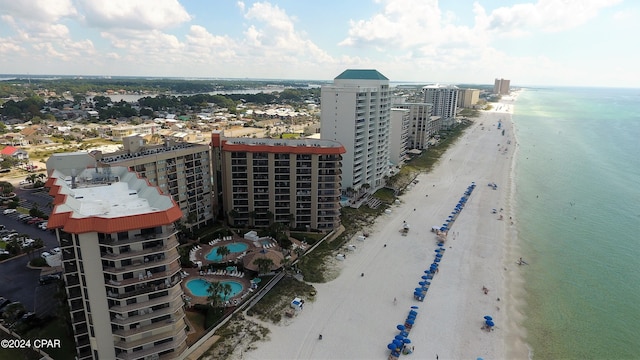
{"points": [[358, 314]]}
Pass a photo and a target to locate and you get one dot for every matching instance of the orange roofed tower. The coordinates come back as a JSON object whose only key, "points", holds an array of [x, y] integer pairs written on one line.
{"points": [[120, 259]]}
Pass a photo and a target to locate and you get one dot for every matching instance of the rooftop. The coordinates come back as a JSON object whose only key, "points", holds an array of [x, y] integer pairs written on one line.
{"points": [[361, 74], [108, 199]]}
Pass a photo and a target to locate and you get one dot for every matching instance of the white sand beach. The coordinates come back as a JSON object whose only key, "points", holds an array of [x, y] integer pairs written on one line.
{"points": [[357, 316]]}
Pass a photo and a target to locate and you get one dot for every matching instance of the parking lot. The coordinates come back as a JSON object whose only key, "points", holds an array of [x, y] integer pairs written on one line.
{"points": [[17, 281]]}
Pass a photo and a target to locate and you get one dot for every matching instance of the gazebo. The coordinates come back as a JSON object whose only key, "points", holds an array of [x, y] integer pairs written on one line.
{"points": [[274, 255]]}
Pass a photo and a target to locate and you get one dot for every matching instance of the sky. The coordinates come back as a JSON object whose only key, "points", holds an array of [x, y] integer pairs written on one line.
{"points": [[544, 42]]}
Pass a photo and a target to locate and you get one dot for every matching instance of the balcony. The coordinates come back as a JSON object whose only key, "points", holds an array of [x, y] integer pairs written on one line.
{"points": [[171, 256], [178, 334], [154, 326], [110, 241], [174, 293], [178, 344], [144, 289], [173, 269], [170, 244], [174, 306]]}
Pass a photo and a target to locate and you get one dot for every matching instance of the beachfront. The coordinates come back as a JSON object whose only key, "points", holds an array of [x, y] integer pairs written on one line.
{"points": [[357, 315]]}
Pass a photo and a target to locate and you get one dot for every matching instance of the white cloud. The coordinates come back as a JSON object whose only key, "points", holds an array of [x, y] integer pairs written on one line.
{"points": [[38, 10], [545, 15], [133, 14]]}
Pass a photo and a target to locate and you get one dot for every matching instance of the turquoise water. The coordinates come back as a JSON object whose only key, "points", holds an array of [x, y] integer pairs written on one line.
{"points": [[234, 248], [577, 202], [198, 287]]}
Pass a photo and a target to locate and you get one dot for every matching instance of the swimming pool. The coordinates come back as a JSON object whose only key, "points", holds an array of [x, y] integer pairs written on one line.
{"points": [[198, 287], [234, 248]]}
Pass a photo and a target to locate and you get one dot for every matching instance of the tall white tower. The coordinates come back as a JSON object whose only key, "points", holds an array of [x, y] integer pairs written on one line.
{"points": [[356, 112]]}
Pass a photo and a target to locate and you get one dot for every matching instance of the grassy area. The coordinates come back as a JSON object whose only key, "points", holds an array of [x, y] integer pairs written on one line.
{"points": [[25, 354], [272, 306], [54, 330], [310, 238], [196, 323], [290, 136], [238, 330], [386, 195]]}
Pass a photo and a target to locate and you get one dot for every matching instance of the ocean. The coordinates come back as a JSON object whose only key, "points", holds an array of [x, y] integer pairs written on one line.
{"points": [[577, 205]]}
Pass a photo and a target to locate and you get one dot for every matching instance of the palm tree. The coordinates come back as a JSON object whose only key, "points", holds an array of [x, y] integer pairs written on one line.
{"points": [[32, 178], [263, 264], [218, 292], [214, 293], [223, 251]]}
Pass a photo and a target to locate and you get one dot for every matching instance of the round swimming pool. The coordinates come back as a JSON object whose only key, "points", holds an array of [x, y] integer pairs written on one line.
{"points": [[233, 248], [198, 287]]}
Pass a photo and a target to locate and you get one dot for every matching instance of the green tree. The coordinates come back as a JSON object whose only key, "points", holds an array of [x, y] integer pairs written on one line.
{"points": [[218, 293], [6, 187], [223, 251], [264, 264]]}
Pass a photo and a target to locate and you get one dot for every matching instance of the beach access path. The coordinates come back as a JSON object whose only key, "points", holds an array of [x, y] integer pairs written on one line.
{"points": [[357, 315]]}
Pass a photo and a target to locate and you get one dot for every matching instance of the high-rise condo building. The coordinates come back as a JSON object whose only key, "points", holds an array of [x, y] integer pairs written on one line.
{"points": [[398, 135], [356, 112], [443, 98], [422, 125], [120, 260], [179, 169], [501, 87], [296, 182], [467, 98]]}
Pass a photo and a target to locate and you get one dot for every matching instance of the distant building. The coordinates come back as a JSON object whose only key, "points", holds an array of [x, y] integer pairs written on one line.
{"points": [[290, 181], [501, 87], [180, 169], [118, 133], [120, 260], [14, 152], [356, 112], [443, 98], [398, 135], [468, 98], [422, 125]]}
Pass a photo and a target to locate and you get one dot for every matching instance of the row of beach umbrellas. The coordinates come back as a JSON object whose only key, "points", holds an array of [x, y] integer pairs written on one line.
{"points": [[420, 292], [446, 226]]}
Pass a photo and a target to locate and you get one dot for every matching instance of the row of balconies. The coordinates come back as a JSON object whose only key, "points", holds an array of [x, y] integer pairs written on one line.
{"points": [[178, 336], [148, 276], [168, 244], [147, 261], [151, 286]]}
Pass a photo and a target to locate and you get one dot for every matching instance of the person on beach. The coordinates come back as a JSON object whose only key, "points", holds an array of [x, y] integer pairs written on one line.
{"points": [[395, 301]]}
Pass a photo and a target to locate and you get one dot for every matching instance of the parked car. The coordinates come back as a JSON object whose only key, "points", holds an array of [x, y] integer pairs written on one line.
{"points": [[34, 220], [9, 211], [24, 182], [45, 255], [48, 279], [4, 302], [9, 237], [4, 252], [26, 218], [43, 225]]}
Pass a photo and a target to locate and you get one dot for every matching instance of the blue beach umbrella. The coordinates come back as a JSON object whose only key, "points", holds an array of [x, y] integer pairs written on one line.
{"points": [[400, 327], [399, 337], [406, 341], [423, 283], [413, 312], [391, 346], [414, 307], [487, 317], [489, 323], [397, 342]]}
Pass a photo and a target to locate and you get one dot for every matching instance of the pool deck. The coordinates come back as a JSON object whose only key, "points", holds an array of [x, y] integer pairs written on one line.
{"points": [[233, 259]]}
